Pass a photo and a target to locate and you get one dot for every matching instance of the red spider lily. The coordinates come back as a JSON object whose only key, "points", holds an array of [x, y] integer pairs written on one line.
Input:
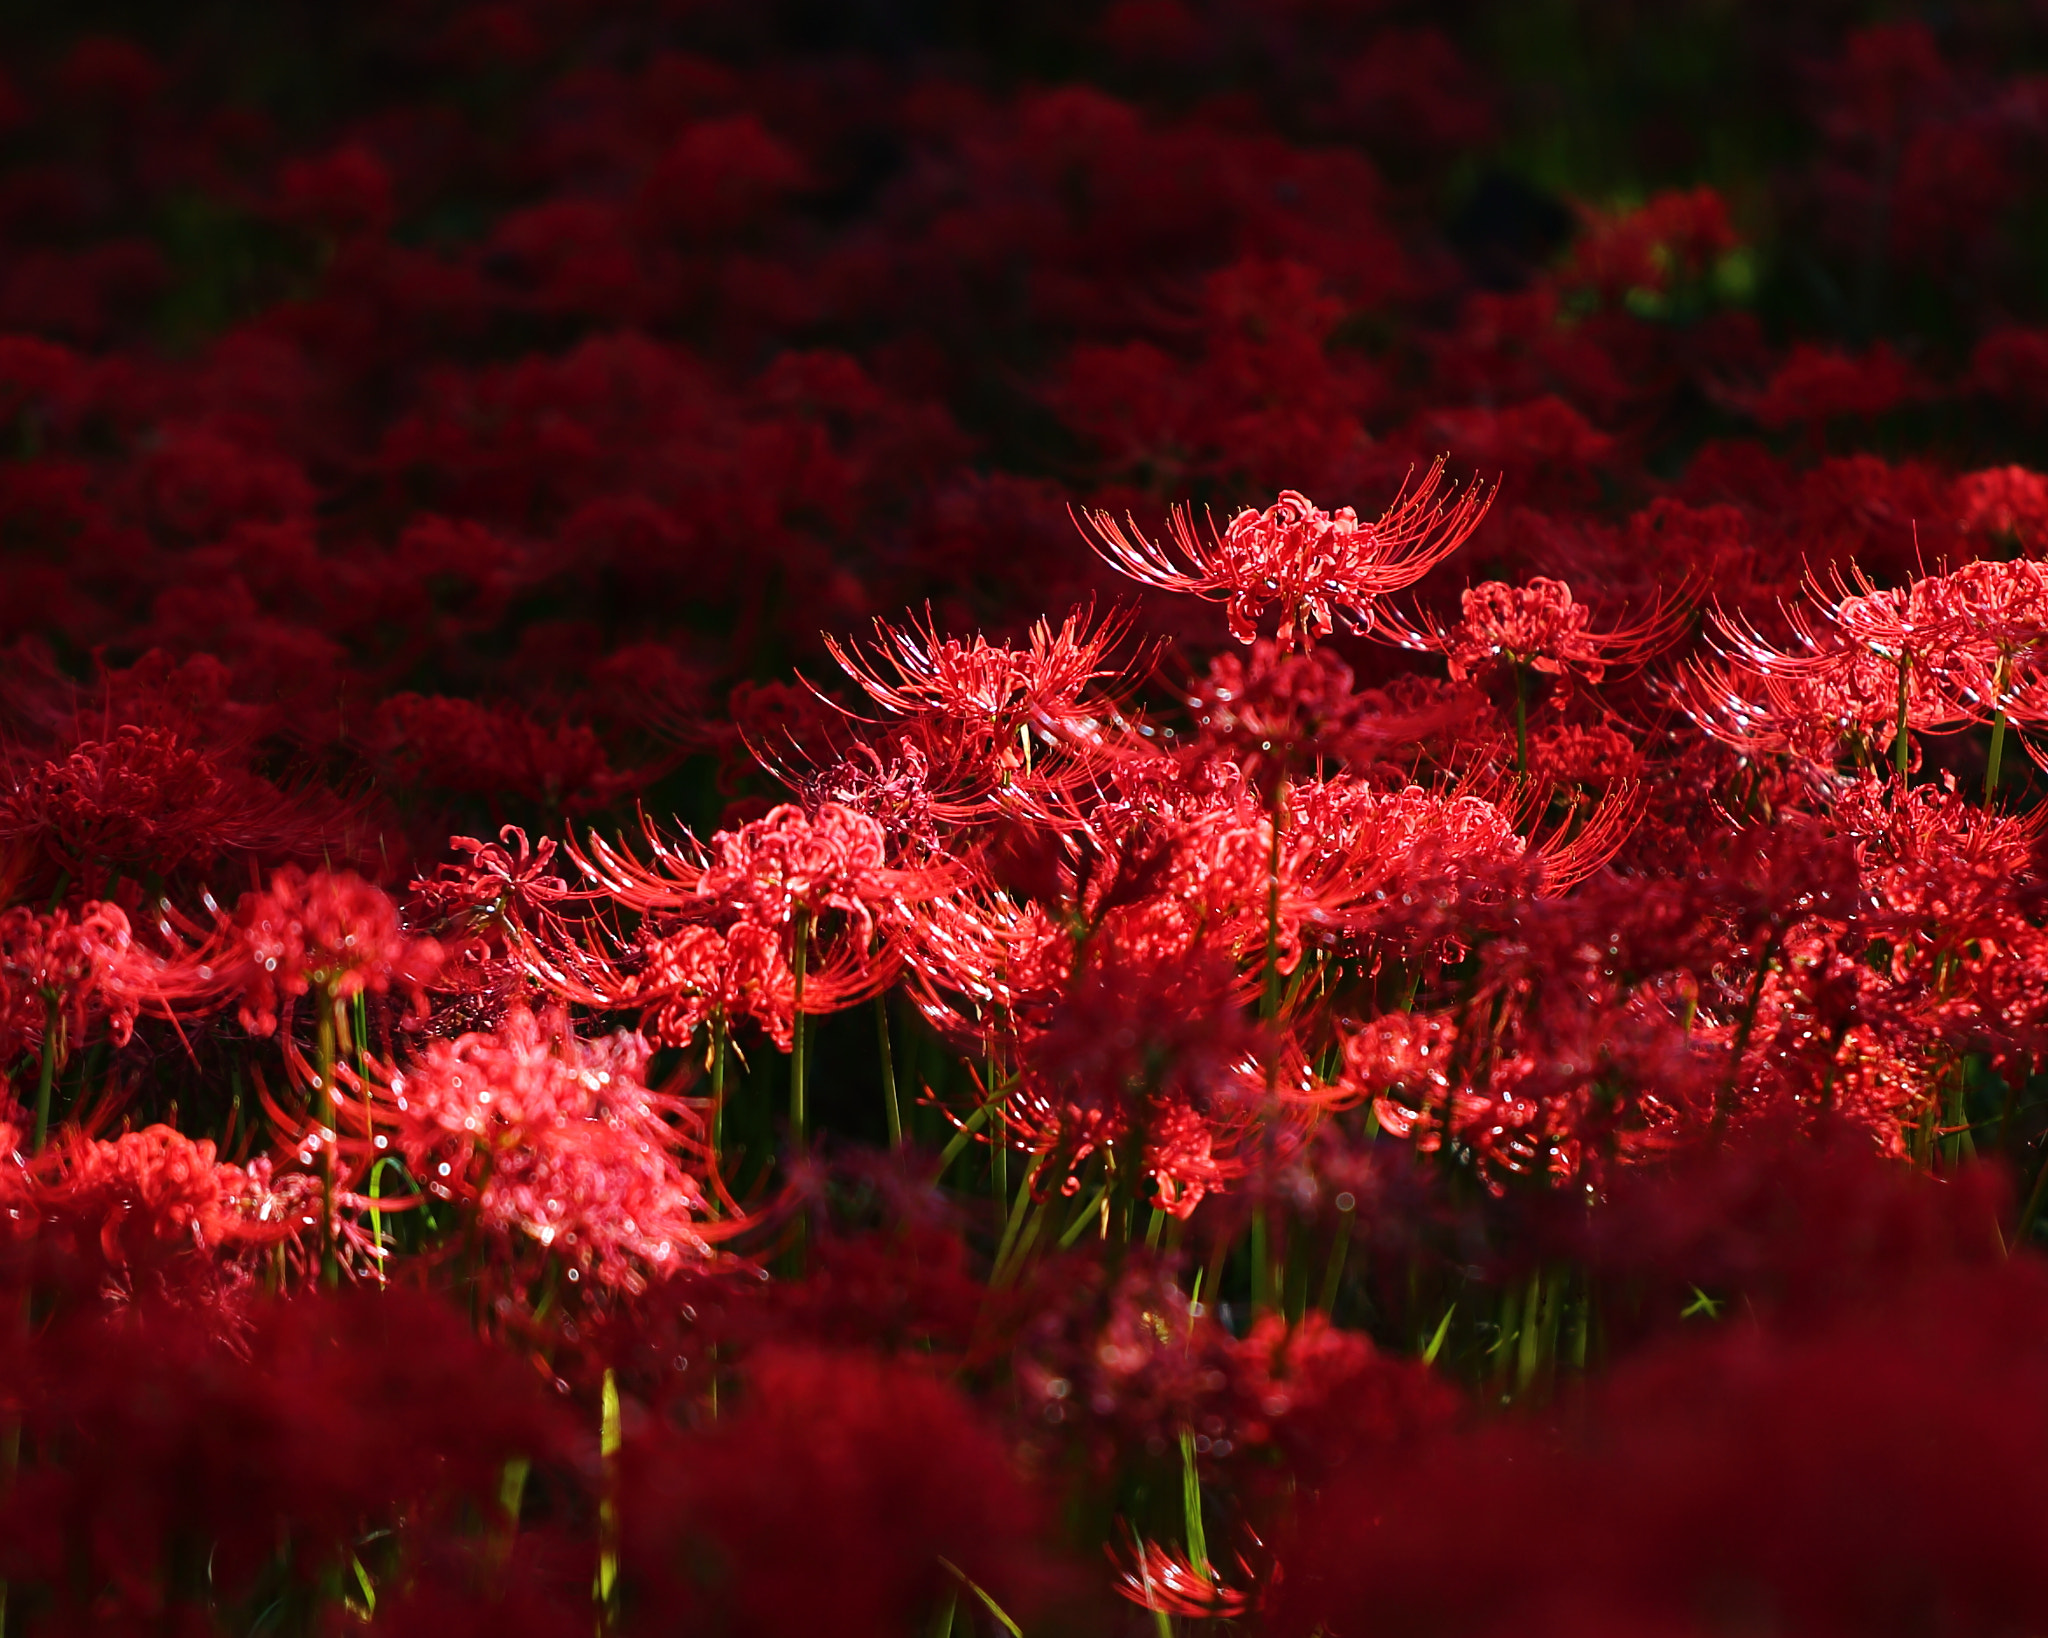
{"points": [[2005, 503], [769, 871], [1948, 889], [1112, 1356], [1571, 755], [1875, 674], [989, 948], [977, 706], [329, 932], [1159, 1057], [1537, 625], [507, 878], [1811, 715], [1815, 384], [679, 975], [551, 1137], [1158, 1579], [982, 685], [460, 746], [892, 785], [729, 928], [1299, 562], [155, 1191], [732, 927], [146, 799], [1546, 1095], [1958, 647], [1358, 861], [57, 973], [1277, 714]]}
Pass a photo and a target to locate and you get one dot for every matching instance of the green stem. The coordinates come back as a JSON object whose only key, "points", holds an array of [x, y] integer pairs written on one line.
{"points": [[1529, 1356], [717, 1083], [1191, 1505], [610, 1441], [1997, 730], [968, 1127], [1020, 1208], [797, 1032], [1089, 1213], [2024, 1232], [890, 1107], [511, 1498], [377, 1212], [1340, 1247], [1901, 747], [1507, 1343], [998, 1137], [1765, 961], [323, 1112]]}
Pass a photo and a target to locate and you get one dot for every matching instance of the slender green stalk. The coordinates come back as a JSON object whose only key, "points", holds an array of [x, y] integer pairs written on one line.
{"points": [[2032, 1208], [1087, 1214], [611, 1440], [797, 1033], [890, 1106], [998, 1137], [1997, 730], [1529, 1355], [511, 1498], [377, 1213], [1340, 1247], [323, 1112], [1262, 1273], [1212, 1276], [968, 1127], [1901, 746], [1020, 1208], [1506, 1344], [1436, 1341], [1747, 1024], [1006, 1268], [988, 1602], [1961, 1145], [717, 1082], [1191, 1505]]}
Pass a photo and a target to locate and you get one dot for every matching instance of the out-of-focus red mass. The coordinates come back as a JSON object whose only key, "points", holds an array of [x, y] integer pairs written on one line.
{"points": [[1163, 817]]}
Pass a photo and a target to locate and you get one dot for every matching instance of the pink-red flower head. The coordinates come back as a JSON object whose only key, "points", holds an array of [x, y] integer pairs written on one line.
{"points": [[1295, 563]]}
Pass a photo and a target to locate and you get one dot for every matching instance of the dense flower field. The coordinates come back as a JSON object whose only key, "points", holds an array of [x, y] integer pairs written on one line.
{"points": [[1184, 816]]}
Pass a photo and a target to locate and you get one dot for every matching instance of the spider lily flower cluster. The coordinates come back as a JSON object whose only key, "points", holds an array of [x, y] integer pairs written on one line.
{"points": [[720, 911]]}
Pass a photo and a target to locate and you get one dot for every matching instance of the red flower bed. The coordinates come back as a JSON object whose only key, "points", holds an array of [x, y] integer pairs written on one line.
{"points": [[1138, 818]]}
